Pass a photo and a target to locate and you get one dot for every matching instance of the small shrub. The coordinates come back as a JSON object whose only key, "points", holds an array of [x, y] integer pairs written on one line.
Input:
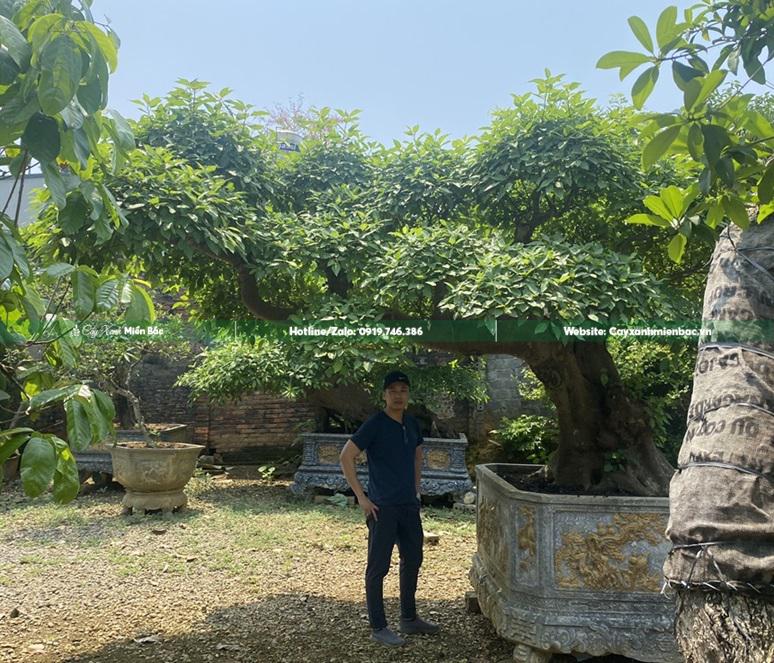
{"points": [[267, 473], [527, 439]]}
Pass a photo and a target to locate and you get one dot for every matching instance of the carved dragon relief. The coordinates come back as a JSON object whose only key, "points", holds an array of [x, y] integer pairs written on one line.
{"points": [[598, 560]]}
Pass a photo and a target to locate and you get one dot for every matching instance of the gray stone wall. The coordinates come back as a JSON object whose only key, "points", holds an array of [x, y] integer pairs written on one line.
{"points": [[503, 373]]}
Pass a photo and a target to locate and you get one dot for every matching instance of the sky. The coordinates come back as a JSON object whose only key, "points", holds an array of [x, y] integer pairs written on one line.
{"points": [[432, 63]]}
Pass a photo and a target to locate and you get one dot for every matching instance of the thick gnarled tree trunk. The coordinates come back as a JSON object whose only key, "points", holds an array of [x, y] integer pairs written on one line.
{"points": [[721, 521], [718, 627], [597, 417]]}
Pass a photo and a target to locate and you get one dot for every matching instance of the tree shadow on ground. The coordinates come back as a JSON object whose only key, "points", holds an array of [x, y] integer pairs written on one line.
{"points": [[301, 628]]}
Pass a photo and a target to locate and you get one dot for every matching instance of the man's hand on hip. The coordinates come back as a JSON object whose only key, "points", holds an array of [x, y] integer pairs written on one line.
{"points": [[369, 508]]}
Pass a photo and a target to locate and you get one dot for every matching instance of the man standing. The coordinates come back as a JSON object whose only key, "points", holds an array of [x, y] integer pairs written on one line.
{"points": [[392, 441]]}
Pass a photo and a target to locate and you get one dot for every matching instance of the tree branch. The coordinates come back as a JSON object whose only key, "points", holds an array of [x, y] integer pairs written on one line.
{"points": [[248, 288]]}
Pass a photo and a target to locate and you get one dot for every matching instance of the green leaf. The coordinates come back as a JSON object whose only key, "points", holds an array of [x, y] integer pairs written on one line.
{"points": [[66, 479], [90, 94], [33, 304], [640, 31], [140, 307], [11, 440], [100, 427], [84, 292], [38, 464], [126, 293], [666, 27], [9, 70], [715, 139], [676, 247], [105, 405], [764, 211], [41, 137], [725, 170], [78, 426], [54, 183], [43, 28], [107, 294], [106, 45], [758, 124], [736, 211], [656, 205], [6, 260], [616, 59], [714, 216], [15, 43], [18, 253], [659, 145], [695, 142], [673, 199], [766, 185], [683, 74], [708, 85], [648, 220], [60, 74], [123, 132], [56, 271], [643, 86], [49, 396], [733, 61]]}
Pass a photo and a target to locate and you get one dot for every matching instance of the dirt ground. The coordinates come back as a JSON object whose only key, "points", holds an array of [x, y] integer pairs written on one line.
{"points": [[244, 573]]}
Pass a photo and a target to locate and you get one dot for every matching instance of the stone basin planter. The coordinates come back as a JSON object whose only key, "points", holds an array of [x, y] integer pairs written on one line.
{"points": [[154, 477], [11, 468], [97, 462], [443, 466], [572, 574]]}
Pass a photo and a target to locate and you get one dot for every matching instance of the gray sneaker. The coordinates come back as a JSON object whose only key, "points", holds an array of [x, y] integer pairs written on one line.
{"points": [[387, 637], [418, 625]]}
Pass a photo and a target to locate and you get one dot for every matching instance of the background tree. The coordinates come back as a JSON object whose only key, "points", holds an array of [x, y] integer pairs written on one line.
{"points": [[721, 498], [54, 68]]}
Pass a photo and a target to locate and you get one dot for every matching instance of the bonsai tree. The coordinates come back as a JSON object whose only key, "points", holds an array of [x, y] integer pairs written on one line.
{"points": [[54, 68], [109, 363], [720, 499], [355, 232]]}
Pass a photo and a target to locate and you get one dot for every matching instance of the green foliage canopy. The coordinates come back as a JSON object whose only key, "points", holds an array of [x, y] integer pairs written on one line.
{"points": [[726, 138]]}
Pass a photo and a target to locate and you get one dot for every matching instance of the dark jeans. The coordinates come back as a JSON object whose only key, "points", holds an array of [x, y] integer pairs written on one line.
{"points": [[404, 525]]}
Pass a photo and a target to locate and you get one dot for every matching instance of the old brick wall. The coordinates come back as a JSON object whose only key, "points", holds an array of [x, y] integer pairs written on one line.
{"points": [[261, 427], [160, 402], [256, 428]]}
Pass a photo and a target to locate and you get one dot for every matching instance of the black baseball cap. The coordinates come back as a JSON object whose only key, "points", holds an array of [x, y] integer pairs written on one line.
{"points": [[395, 376]]}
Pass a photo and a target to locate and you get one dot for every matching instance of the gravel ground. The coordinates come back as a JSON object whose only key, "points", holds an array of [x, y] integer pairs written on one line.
{"points": [[245, 573]]}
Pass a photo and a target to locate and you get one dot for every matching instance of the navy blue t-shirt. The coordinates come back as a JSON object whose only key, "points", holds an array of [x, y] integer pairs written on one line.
{"points": [[390, 447]]}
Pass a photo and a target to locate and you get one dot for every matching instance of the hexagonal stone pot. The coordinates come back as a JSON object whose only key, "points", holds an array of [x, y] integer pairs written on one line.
{"points": [[154, 477], [572, 574]]}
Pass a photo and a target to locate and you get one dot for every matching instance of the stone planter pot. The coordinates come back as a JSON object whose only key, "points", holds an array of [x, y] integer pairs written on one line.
{"points": [[97, 461], [572, 574], [443, 466], [11, 468], [154, 478]]}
